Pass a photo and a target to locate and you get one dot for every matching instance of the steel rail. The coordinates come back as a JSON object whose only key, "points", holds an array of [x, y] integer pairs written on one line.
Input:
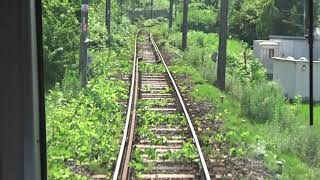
{"points": [[130, 115], [193, 132]]}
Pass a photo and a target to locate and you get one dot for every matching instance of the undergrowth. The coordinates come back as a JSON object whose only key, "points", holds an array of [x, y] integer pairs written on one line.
{"points": [[274, 130], [84, 125]]}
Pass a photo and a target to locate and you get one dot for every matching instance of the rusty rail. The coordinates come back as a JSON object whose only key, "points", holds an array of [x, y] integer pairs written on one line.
{"points": [[185, 112], [122, 165], [122, 170]]}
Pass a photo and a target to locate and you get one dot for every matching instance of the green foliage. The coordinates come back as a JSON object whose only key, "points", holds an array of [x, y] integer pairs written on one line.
{"points": [[201, 17], [79, 126], [202, 46], [256, 19], [146, 4], [61, 36], [70, 82], [253, 19], [154, 22], [261, 124], [151, 68], [83, 123], [306, 144], [261, 102]]}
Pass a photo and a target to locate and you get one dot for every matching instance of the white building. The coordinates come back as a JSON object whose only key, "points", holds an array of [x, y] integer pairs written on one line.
{"points": [[284, 57], [293, 75]]}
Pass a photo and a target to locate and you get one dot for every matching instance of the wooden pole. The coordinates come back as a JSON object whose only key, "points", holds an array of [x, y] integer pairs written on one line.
{"points": [[171, 14], [84, 43], [223, 36], [108, 16], [185, 24]]}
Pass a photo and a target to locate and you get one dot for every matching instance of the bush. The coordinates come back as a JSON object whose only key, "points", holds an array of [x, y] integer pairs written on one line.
{"points": [[305, 143], [70, 82], [201, 17], [82, 124], [60, 39], [199, 58], [262, 102]]}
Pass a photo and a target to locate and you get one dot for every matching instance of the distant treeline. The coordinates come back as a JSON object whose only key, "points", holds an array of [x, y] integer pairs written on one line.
{"points": [[250, 19]]}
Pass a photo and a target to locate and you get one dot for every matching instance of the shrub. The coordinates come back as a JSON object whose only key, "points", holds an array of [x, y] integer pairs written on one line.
{"points": [[201, 18], [262, 101], [199, 58], [70, 82], [306, 144]]}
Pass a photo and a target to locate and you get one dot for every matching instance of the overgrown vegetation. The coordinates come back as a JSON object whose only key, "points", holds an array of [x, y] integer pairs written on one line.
{"points": [[149, 119], [253, 106], [83, 125], [248, 19]]}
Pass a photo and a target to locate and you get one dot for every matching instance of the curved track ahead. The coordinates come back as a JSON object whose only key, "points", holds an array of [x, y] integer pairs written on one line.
{"points": [[155, 95]]}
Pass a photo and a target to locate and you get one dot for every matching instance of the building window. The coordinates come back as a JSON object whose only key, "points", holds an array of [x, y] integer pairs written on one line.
{"points": [[271, 53]]}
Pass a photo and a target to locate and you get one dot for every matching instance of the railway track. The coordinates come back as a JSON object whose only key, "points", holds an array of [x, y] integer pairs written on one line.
{"points": [[159, 140]]}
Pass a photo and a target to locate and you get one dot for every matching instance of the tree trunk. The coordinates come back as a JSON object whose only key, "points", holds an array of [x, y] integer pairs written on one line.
{"points": [[223, 36], [171, 14], [83, 43], [108, 16], [185, 24]]}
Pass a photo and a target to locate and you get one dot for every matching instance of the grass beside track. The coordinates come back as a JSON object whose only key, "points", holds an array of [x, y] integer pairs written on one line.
{"points": [[286, 144]]}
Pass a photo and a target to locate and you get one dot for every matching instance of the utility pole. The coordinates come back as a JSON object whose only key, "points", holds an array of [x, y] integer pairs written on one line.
{"points": [[185, 24], [306, 17], [171, 14], [108, 16], [309, 29], [84, 43], [223, 37], [108, 21]]}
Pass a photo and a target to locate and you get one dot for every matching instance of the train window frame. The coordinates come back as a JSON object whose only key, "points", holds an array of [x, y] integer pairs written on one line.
{"points": [[36, 28]]}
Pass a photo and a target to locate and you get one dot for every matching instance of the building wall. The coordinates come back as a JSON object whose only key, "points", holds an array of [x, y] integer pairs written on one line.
{"points": [[296, 47], [284, 72], [293, 76], [317, 49], [257, 48], [302, 80], [261, 52]]}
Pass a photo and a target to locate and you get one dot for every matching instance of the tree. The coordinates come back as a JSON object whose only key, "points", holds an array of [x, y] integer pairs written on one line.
{"points": [[254, 19], [185, 24], [223, 36], [171, 14], [60, 45]]}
